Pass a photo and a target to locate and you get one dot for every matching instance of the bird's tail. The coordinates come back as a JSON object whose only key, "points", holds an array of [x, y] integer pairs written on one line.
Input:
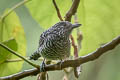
{"points": [[35, 56]]}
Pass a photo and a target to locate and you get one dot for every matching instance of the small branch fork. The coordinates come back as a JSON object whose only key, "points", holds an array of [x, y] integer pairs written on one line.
{"points": [[69, 63], [17, 54], [72, 10]]}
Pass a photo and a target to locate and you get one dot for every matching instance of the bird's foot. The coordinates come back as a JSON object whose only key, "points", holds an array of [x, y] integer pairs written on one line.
{"points": [[42, 66], [60, 63]]}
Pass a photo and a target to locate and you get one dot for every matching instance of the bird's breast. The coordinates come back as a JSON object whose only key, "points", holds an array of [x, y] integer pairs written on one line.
{"points": [[55, 49]]}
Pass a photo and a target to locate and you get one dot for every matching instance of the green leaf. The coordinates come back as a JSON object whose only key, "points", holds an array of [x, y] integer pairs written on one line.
{"points": [[100, 19], [6, 55], [45, 13], [12, 28]]}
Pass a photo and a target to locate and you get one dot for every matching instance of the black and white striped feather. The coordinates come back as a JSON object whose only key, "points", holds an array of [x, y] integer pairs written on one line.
{"points": [[54, 43]]}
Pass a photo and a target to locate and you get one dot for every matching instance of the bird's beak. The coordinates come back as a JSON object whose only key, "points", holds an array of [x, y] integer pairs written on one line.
{"points": [[76, 25]]}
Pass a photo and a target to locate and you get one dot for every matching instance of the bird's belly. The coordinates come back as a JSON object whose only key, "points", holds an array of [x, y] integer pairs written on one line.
{"points": [[55, 52], [54, 56]]}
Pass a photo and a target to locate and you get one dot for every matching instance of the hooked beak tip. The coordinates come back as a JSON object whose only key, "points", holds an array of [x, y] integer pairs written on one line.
{"points": [[76, 25]]}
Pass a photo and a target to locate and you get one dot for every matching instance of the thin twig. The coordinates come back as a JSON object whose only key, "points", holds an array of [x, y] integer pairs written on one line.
{"points": [[72, 10], [58, 11], [44, 75], [79, 39], [7, 13], [17, 54], [13, 60], [68, 63], [79, 33], [78, 70], [13, 8], [17, 60], [4, 46], [74, 46]]}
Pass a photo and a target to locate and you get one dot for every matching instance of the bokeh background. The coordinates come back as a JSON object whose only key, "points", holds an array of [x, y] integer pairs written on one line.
{"points": [[101, 23]]}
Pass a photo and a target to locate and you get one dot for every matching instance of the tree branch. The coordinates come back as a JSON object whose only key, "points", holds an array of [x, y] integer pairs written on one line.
{"points": [[17, 54], [77, 70], [69, 63], [74, 46], [72, 10], [57, 10]]}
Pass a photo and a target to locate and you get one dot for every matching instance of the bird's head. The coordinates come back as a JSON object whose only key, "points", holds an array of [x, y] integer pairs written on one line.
{"points": [[65, 27]]}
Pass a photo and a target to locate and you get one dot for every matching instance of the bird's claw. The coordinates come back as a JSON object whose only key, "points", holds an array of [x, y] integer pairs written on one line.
{"points": [[42, 67], [60, 63]]}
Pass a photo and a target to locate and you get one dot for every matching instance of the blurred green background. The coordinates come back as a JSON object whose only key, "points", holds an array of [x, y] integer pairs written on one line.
{"points": [[101, 23]]}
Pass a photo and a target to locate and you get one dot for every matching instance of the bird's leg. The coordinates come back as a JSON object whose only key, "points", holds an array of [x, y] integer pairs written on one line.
{"points": [[42, 66], [61, 61]]}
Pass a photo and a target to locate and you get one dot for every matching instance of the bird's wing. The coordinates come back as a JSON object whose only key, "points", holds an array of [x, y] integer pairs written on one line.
{"points": [[41, 41], [48, 34], [43, 37]]}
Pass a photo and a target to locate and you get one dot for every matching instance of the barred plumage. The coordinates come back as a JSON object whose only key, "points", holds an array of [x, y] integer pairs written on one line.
{"points": [[54, 43]]}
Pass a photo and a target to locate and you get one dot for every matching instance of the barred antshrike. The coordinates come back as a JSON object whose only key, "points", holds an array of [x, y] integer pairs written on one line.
{"points": [[54, 43]]}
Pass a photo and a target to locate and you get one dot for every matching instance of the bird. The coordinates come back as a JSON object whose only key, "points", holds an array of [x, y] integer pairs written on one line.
{"points": [[54, 43]]}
